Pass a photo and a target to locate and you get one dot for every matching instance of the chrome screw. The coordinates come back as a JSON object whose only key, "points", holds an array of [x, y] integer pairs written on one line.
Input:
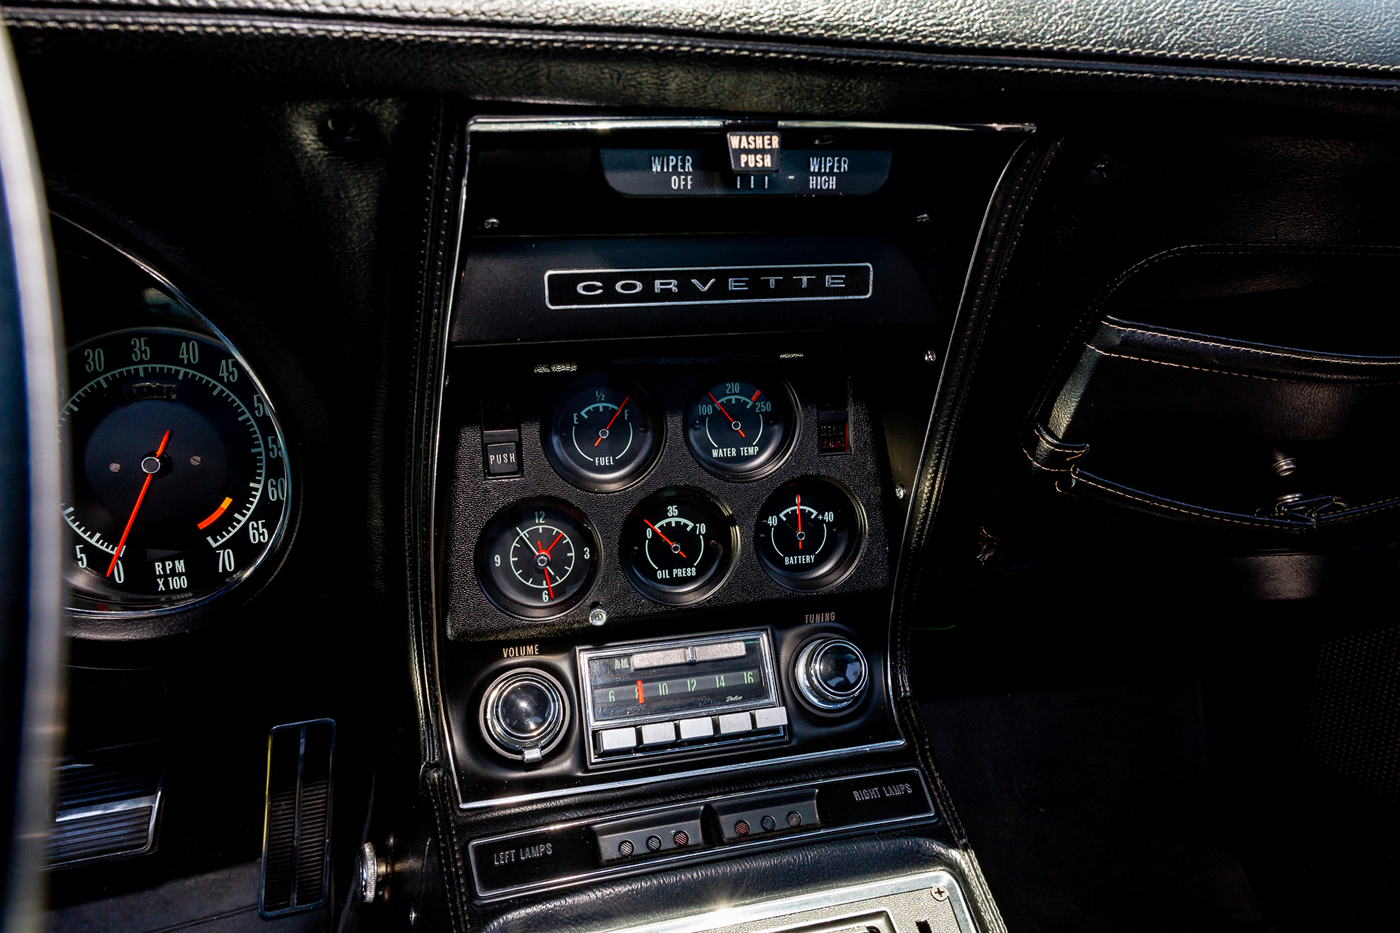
{"points": [[899, 492], [196, 460], [598, 617], [940, 893], [922, 219], [114, 467], [490, 223], [930, 356]]}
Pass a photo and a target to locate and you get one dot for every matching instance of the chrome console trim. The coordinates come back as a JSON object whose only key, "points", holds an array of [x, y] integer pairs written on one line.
{"points": [[820, 900]]}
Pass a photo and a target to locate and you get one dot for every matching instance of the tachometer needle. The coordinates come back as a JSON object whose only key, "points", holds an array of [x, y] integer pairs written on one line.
{"points": [[608, 427], [116, 555], [666, 539], [732, 423]]}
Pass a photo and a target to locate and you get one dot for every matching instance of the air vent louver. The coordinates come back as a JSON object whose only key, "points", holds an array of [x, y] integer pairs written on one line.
{"points": [[296, 828]]}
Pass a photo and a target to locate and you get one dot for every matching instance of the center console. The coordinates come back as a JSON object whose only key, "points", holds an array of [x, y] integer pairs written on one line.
{"points": [[690, 369]]}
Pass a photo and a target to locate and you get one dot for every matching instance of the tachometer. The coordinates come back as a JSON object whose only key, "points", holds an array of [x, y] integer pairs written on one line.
{"points": [[180, 482]]}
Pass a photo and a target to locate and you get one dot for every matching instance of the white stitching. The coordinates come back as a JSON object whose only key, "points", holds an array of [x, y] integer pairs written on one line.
{"points": [[872, 36], [1239, 348], [1226, 372], [18, 19]]}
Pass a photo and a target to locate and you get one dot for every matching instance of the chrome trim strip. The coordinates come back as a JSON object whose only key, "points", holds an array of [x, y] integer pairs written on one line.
{"points": [[706, 854], [114, 806], [821, 900], [680, 775], [506, 124]]}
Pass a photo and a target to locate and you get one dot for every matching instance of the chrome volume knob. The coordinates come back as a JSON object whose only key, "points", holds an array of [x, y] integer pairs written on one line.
{"points": [[831, 674], [524, 714]]}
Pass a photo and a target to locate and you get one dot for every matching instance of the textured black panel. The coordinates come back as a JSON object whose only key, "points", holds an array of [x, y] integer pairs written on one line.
{"points": [[1354, 718]]}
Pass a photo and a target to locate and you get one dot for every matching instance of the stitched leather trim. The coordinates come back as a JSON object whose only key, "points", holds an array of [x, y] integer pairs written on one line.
{"points": [[19, 19], [1226, 372], [1128, 327], [960, 28]]}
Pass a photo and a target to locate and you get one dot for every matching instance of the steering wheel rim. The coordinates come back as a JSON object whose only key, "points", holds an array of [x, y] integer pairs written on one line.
{"points": [[31, 484]]}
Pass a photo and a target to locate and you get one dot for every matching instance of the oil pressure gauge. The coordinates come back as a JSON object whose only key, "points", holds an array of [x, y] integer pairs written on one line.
{"points": [[741, 430], [678, 545], [809, 534], [603, 433]]}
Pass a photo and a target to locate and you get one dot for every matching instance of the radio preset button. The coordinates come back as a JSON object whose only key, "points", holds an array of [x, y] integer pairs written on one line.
{"points": [[701, 728], [658, 733], [614, 740], [735, 722], [770, 718]]}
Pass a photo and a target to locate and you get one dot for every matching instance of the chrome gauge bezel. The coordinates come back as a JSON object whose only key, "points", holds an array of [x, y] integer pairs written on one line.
{"points": [[90, 621]]}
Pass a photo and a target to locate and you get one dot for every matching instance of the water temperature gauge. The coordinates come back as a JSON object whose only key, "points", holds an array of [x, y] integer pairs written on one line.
{"points": [[738, 430], [603, 433], [678, 545], [809, 534]]}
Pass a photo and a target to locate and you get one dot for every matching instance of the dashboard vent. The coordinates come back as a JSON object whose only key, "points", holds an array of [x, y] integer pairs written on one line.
{"points": [[297, 817], [107, 805]]}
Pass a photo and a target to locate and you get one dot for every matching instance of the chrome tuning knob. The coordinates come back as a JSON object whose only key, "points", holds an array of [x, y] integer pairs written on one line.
{"points": [[831, 674]]}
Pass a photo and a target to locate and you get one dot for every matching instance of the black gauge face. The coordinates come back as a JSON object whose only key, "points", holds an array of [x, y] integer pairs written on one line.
{"points": [[603, 432], [180, 483], [739, 430], [809, 534], [678, 545], [537, 559]]}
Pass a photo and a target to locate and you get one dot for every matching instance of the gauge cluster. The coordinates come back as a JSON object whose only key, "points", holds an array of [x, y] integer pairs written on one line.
{"points": [[597, 492]]}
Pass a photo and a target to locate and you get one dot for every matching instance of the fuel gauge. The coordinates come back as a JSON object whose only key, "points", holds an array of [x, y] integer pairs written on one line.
{"points": [[603, 433]]}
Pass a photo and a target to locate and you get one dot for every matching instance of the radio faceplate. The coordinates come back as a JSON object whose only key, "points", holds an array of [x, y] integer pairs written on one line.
{"points": [[659, 697]]}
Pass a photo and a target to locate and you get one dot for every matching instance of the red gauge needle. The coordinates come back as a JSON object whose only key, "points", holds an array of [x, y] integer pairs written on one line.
{"points": [[799, 523], [546, 551], [732, 423], [136, 508], [666, 539], [549, 586], [608, 426]]}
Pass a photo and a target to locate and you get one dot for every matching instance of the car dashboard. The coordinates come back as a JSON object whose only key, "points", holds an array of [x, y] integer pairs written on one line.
{"points": [[736, 467]]}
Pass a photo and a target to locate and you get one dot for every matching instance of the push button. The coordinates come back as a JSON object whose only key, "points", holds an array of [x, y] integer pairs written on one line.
{"points": [[735, 722], [503, 459], [701, 728], [614, 740], [658, 733]]}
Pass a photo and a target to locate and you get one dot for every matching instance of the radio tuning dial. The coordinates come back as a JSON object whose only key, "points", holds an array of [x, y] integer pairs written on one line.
{"points": [[524, 714], [831, 674]]}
